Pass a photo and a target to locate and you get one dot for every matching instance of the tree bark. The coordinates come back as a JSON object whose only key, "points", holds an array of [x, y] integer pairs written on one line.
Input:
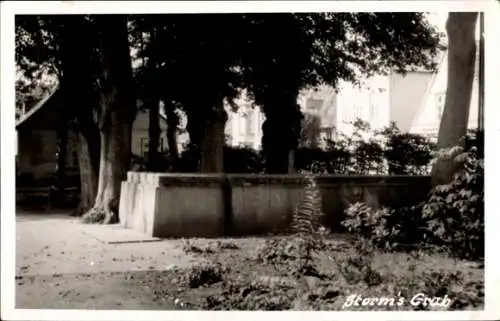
{"points": [[79, 102], [88, 161], [114, 163], [460, 28], [118, 110], [62, 155], [281, 133], [154, 131], [212, 141]]}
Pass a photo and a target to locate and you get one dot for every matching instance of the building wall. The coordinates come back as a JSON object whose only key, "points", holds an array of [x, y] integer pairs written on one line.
{"points": [[244, 127], [37, 150], [428, 118], [407, 94], [140, 136], [368, 102]]}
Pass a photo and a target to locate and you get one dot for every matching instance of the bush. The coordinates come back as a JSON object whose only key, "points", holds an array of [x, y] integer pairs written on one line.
{"points": [[205, 274], [252, 296], [210, 248], [406, 153], [242, 160], [455, 211], [372, 225], [371, 152], [452, 218], [236, 160]]}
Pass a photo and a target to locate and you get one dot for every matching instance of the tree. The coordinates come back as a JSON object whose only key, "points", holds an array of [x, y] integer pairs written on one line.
{"points": [[116, 115], [216, 57], [77, 54], [143, 31], [197, 55], [298, 51], [460, 28], [61, 47]]}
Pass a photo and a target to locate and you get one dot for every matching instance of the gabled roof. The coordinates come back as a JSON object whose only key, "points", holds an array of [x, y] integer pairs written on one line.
{"points": [[37, 106], [43, 102]]}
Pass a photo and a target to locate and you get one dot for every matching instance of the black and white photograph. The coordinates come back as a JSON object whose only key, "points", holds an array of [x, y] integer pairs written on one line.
{"points": [[201, 156]]}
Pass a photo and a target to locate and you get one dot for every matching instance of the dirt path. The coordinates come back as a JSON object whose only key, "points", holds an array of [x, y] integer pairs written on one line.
{"points": [[57, 244], [57, 257]]}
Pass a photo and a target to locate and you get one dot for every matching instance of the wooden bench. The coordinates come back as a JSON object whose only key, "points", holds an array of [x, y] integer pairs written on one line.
{"points": [[46, 193]]}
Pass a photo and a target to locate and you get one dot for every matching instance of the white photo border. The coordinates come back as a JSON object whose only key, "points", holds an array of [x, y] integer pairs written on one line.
{"points": [[8, 227]]}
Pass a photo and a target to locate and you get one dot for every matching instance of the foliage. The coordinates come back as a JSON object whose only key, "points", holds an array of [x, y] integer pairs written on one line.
{"points": [[267, 284], [242, 160], [407, 153], [211, 248], [464, 293], [452, 217], [236, 160], [367, 152], [307, 227], [455, 211], [345, 154], [205, 274], [327, 48], [175, 55], [370, 224], [277, 251], [310, 131], [254, 295]]}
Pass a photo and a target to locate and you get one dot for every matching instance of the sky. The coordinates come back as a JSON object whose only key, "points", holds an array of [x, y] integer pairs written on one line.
{"points": [[438, 19]]}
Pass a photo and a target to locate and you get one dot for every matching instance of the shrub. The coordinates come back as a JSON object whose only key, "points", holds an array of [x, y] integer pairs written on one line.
{"points": [[438, 283], [236, 160], [278, 251], [371, 225], [189, 248], [210, 248], [242, 160], [455, 211], [387, 228], [367, 151], [205, 274], [406, 153], [251, 296], [452, 217]]}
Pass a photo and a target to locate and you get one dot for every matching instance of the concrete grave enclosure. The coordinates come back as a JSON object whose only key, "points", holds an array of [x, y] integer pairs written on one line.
{"points": [[210, 205]]}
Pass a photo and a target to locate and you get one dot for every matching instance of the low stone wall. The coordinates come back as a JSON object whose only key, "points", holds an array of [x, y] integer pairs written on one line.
{"points": [[205, 205]]}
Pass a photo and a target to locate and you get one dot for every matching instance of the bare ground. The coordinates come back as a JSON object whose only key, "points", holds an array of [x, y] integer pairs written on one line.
{"points": [[63, 264]]}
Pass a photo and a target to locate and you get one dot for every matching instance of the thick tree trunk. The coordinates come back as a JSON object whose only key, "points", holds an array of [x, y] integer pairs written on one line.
{"points": [[117, 115], [212, 141], [460, 28], [195, 128], [80, 101], [172, 123], [115, 157], [62, 155], [154, 136], [88, 161], [281, 133]]}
